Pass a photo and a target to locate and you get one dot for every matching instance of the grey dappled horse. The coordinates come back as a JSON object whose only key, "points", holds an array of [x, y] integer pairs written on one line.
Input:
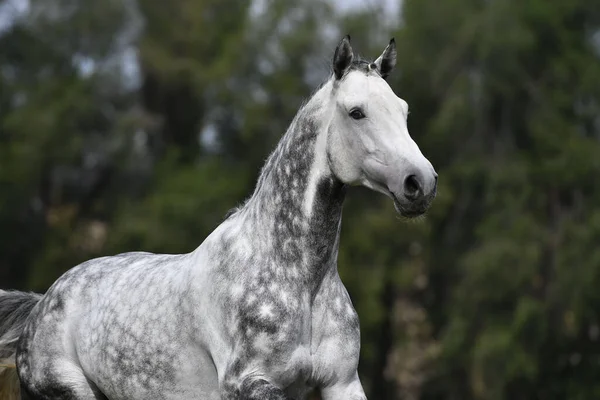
{"points": [[258, 310]]}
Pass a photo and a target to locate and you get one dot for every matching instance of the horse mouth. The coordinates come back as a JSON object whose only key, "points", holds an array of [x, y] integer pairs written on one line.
{"points": [[413, 212]]}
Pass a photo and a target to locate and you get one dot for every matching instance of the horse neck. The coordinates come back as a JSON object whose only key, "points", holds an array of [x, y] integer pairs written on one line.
{"points": [[297, 206]]}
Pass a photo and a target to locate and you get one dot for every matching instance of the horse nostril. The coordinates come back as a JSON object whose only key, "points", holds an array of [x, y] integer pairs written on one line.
{"points": [[412, 187]]}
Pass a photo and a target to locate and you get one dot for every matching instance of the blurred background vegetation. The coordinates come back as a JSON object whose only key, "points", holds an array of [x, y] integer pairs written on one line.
{"points": [[136, 124]]}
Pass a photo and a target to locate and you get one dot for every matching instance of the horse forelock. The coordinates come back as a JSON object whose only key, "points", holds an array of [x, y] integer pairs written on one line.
{"points": [[363, 65]]}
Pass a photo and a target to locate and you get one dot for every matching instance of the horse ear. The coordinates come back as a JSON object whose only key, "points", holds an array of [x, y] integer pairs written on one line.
{"points": [[342, 58], [387, 60]]}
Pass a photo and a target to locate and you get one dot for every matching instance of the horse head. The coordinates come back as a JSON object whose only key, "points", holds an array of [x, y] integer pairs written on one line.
{"points": [[368, 141]]}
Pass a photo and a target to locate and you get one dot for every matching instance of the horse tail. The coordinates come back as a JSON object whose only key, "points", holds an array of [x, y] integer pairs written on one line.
{"points": [[15, 307]]}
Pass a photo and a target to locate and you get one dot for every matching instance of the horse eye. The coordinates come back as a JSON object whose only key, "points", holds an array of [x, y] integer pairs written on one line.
{"points": [[357, 114]]}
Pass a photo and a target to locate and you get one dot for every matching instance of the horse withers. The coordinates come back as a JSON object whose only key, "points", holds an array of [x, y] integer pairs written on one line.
{"points": [[258, 310]]}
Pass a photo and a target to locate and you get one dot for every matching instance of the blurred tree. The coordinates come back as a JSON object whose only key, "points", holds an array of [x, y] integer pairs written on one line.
{"points": [[59, 126], [506, 96]]}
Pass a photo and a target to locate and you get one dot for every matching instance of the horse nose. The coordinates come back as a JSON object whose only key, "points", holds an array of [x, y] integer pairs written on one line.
{"points": [[413, 187], [419, 186]]}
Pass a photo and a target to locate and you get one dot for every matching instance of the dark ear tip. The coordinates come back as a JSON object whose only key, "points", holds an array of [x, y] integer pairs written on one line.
{"points": [[393, 41], [342, 58]]}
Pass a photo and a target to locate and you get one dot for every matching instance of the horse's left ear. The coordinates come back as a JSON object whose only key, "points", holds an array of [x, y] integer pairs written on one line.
{"points": [[387, 60]]}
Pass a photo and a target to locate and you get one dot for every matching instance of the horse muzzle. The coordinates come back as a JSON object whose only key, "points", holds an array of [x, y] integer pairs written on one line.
{"points": [[415, 194]]}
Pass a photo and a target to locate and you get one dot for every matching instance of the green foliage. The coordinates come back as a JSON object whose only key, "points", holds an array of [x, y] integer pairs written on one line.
{"points": [[492, 295]]}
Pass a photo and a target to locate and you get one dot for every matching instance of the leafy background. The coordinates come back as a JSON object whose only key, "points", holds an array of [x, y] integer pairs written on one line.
{"points": [[136, 124]]}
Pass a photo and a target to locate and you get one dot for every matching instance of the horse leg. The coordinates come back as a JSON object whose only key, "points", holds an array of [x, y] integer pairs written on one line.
{"points": [[351, 390], [255, 389], [261, 389], [61, 380]]}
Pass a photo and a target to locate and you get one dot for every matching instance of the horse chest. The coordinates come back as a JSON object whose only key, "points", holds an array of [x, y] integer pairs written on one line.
{"points": [[301, 340], [336, 333]]}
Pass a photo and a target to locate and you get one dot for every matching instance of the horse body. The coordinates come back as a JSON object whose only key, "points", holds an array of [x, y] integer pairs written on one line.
{"points": [[258, 310], [113, 321]]}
